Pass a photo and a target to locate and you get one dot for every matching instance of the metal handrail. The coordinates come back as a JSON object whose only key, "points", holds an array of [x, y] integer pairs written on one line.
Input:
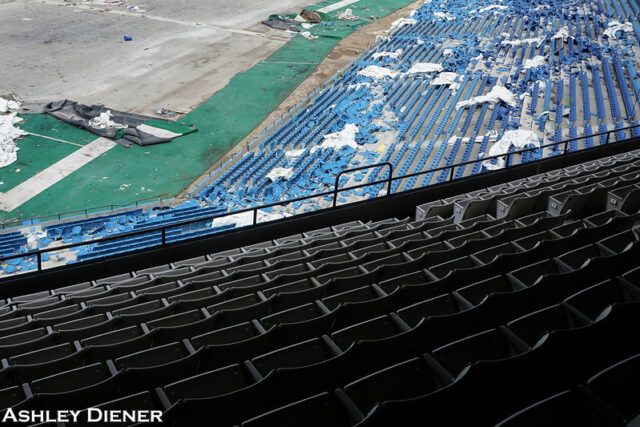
{"points": [[337, 184], [389, 180]]}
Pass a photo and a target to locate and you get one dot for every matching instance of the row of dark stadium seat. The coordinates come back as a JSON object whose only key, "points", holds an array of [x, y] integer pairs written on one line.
{"points": [[328, 313]]}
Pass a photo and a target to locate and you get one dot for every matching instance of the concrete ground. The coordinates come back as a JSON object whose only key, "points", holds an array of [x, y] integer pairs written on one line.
{"points": [[182, 51]]}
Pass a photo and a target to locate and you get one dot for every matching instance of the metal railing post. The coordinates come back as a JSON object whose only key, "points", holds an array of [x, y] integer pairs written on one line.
{"points": [[39, 257], [606, 141], [255, 216], [164, 236], [451, 173]]}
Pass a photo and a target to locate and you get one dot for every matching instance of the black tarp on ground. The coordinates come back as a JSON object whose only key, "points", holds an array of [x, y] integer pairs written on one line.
{"points": [[81, 115]]}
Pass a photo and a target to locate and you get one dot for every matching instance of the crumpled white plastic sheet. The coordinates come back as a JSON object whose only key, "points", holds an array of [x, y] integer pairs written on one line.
{"points": [[8, 105], [536, 61], [425, 67], [103, 121], [307, 35], [377, 72], [393, 55], [346, 136], [294, 153], [444, 78], [9, 134], [492, 134], [614, 27], [536, 40], [276, 173], [493, 7], [519, 138], [401, 22], [246, 218], [497, 93], [562, 33], [348, 15], [444, 15]]}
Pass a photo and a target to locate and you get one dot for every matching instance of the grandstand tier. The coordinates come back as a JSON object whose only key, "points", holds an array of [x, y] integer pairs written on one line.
{"points": [[458, 88], [518, 299]]}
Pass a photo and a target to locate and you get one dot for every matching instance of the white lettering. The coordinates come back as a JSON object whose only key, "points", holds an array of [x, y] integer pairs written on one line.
{"points": [[94, 415], [23, 416], [75, 415], [9, 414], [156, 416]]}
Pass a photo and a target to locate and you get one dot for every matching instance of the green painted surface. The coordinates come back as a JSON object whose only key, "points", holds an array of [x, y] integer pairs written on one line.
{"points": [[36, 153], [123, 175]]}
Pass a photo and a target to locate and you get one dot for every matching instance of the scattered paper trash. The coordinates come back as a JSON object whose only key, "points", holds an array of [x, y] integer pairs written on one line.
{"points": [[534, 62], [519, 138], [444, 15], [425, 67], [377, 72], [393, 55], [7, 105], [103, 121], [307, 35], [444, 78], [9, 134], [615, 26], [497, 93], [346, 136], [348, 15], [275, 173]]}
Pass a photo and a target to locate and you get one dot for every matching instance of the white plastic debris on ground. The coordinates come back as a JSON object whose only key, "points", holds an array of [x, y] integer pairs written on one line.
{"points": [[444, 15], [377, 72], [276, 173], [294, 153], [562, 33], [401, 22], [425, 67], [240, 220], [357, 86], [307, 26], [518, 138], [9, 134], [536, 40], [8, 105], [393, 55], [346, 136], [493, 136], [103, 121], [497, 93], [536, 61], [493, 7], [348, 15], [615, 26], [444, 78], [307, 35], [419, 41], [542, 7]]}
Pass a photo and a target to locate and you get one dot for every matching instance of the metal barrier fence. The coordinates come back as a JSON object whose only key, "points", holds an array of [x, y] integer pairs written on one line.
{"points": [[334, 193]]}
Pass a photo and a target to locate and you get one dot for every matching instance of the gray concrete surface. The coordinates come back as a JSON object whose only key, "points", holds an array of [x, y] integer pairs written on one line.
{"points": [[182, 51]]}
